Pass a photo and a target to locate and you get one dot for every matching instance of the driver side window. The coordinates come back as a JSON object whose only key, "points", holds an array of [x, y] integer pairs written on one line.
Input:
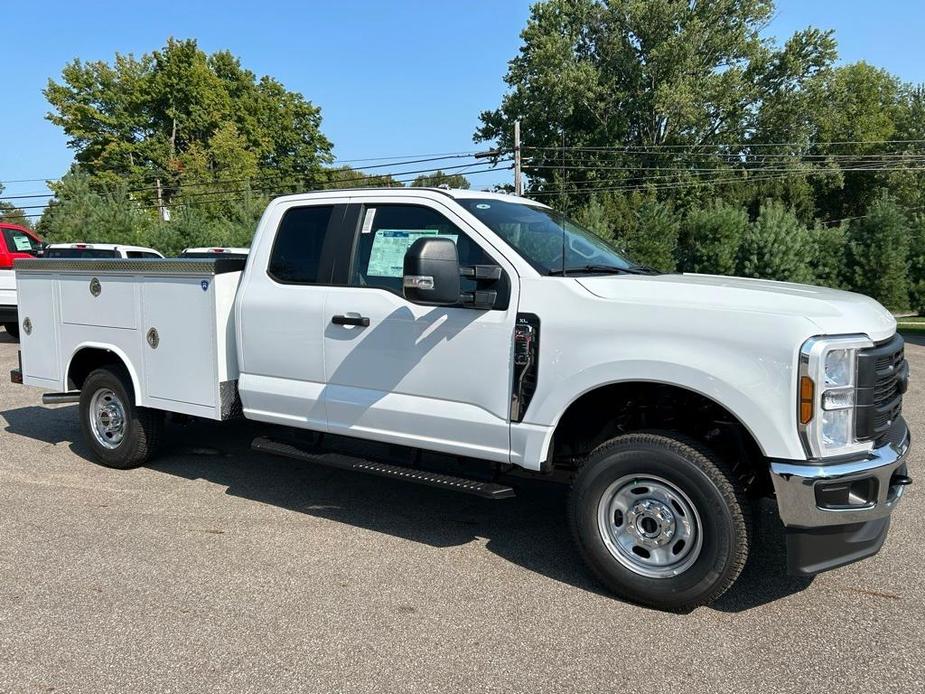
{"points": [[389, 230]]}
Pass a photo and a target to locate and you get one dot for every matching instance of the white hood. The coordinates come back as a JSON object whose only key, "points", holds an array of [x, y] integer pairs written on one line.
{"points": [[833, 311]]}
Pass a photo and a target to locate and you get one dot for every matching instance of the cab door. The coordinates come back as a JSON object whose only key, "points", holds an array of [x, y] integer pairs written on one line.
{"points": [[280, 312], [437, 378]]}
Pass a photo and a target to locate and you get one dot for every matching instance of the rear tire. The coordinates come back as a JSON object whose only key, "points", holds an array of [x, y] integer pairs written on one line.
{"points": [[660, 520], [120, 434], [12, 329]]}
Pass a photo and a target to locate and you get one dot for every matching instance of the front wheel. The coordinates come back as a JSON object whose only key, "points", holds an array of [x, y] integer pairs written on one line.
{"points": [[660, 520], [120, 434]]}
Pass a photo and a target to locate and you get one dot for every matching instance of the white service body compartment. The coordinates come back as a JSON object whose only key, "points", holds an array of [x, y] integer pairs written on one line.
{"points": [[170, 322]]}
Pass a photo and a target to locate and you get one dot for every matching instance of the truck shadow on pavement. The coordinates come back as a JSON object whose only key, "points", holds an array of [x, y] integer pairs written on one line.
{"points": [[529, 530]]}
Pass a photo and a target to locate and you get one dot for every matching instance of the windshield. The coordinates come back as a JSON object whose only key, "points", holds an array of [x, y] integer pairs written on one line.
{"points": [[548, 240]]}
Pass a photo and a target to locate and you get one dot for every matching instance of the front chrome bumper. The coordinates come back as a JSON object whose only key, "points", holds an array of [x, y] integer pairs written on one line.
{"points": [[795, 485]]}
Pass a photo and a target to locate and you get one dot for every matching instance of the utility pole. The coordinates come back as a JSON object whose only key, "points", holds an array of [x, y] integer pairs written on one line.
{"points": [[518, 175], [162, 211]]}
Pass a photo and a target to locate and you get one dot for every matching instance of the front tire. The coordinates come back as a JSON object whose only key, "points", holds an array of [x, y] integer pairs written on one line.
{"points": [[120, 434], [12, 329], [660, 520]]}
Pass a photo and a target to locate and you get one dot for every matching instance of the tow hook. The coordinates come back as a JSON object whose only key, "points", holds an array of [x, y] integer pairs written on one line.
{"points": [[898, 480]]}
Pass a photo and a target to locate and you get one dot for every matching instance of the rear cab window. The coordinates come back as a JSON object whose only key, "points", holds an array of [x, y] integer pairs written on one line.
{"points": [[141, 254], [80, 253], [301, 249]]}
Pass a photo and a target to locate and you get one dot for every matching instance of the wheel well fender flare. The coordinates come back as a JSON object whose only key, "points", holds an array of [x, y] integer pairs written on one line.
{"points": [[120, 355], [771, 433]]}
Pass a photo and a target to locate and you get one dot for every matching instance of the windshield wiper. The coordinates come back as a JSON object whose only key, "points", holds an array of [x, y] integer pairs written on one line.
{"points": [[647, 270], [602, 269]]}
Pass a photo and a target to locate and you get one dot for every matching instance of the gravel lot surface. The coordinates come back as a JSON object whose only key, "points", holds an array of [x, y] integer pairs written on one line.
{"points": [[217, 569]]}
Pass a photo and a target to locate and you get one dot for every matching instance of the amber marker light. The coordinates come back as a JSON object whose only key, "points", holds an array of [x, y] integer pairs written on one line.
{"points": [[807, 389]]}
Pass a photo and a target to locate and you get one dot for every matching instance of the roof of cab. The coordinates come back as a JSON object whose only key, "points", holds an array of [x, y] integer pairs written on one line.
{"points": [[455, 193], [104, 247], [217, 249]]}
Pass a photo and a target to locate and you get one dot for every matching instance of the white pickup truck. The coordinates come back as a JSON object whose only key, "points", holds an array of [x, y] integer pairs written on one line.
{"points": [[482, 335]]}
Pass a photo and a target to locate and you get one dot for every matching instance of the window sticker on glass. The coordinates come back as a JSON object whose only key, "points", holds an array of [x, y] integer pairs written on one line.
{"points": [[387, 255], [22, 243], [368, 220]]}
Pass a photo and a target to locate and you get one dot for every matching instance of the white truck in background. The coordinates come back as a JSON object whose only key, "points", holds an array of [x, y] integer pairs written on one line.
{"points": [[99, 250], [480, 334]]}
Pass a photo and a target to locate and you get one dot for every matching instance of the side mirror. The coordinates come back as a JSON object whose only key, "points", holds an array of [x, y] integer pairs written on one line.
{"points": [[431, 272]]}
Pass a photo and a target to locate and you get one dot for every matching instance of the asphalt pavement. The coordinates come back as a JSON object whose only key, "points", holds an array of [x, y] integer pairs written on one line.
{"points": [[218, 569]]}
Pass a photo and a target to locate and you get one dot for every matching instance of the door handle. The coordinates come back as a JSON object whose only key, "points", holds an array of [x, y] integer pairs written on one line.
{"points": [[361, 321]]}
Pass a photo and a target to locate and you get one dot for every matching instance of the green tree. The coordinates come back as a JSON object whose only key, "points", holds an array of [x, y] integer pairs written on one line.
{"points": [[441, 178], [710, 238], [11, 214], [593, 215], [86, 210], [185, 117], [776, 246], [878, 253], [653, 239], [348, 177], [917, 264], [667, 81], [827, 248]]}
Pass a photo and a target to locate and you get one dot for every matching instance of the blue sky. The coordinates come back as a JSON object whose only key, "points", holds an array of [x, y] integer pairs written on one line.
{"points": [[392, 77]]}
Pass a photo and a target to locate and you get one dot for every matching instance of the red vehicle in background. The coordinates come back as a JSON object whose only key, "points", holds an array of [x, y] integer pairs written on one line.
{"points": [[15, 242]]}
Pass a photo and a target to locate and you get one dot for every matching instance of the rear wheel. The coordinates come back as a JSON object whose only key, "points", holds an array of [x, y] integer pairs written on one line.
{"points": [[12, 329], [660, 520], [120, 434]]}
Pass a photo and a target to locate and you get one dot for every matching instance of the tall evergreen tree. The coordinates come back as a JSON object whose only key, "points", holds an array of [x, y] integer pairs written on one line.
{"points": [[653, 240], [776, 246], [710, 238], [878, 251], [827, 255], [917, 264]]}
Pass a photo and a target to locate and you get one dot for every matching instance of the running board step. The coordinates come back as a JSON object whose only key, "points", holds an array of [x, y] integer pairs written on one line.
{"points": [[487, 490]]}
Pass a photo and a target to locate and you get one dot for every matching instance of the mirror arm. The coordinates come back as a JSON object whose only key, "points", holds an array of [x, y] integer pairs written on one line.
{"points": [[480, 298], [488, 273]]}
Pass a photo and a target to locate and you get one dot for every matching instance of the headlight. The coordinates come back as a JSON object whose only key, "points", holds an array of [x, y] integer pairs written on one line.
{"points": [[839, 364], [826, 395]]}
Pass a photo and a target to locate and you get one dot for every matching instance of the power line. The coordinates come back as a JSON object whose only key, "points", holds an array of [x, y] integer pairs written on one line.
{"points": [[219, 196], [401, 161], [258, 180], [700, 181], [441, 155], [332, 186], [727, 145]]}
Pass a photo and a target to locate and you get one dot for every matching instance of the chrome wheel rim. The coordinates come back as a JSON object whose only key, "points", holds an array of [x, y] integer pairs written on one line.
{"points": [[107, 418], [650, 526]]}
